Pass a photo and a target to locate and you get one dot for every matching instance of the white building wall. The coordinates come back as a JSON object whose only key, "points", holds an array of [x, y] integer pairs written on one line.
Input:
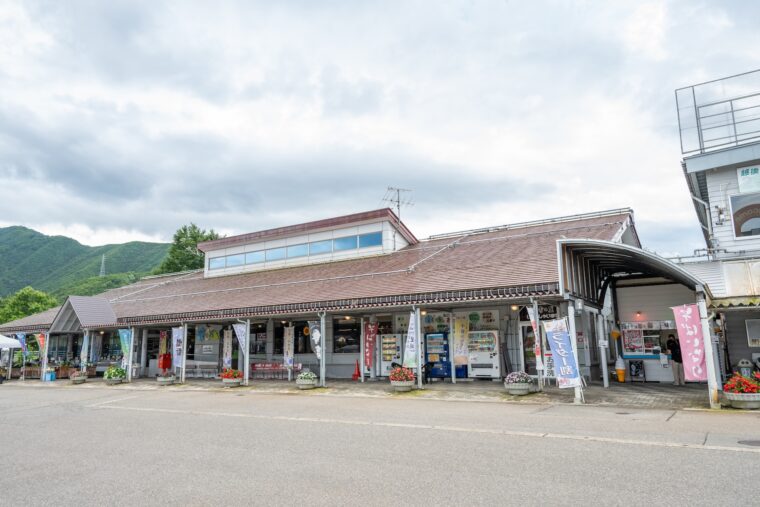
{"points": [[720, 185], [709, 272], [653, 301]]}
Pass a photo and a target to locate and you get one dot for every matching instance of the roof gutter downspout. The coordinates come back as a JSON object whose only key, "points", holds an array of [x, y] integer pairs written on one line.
{"points": [[708, 217]]}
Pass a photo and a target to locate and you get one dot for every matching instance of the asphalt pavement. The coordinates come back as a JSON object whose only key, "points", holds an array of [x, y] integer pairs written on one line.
{"points": [[104, 446]]}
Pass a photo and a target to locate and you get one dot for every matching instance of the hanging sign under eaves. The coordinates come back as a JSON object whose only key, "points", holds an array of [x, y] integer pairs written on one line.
{"points": [[749, 179]]}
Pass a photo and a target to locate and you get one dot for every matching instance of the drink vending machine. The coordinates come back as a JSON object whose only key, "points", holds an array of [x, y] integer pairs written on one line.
{"points": [[437, 354], [483, 348], [390, 352]]}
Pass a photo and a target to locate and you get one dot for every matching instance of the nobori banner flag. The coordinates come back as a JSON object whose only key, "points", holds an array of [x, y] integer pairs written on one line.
{"points": [[21, 337], [565, 365], [370, 336], [227, 349], [536, 338], [125, 338], [410, 348], [240, 333], [316, 337], [692, 341], [178, 339], [288, 345]]}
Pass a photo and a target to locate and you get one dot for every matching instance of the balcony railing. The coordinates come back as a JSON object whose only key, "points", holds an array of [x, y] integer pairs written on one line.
{"points": [[719, 114]]}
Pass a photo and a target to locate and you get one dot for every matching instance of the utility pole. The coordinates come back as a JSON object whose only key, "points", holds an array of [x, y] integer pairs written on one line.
{"points": [[103, 265]]}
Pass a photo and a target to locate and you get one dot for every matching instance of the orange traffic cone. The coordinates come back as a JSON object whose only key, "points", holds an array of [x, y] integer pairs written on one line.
{"points": [[356, 374]]}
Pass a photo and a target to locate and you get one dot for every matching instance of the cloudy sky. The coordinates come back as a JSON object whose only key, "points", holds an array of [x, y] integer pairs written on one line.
{"points": [[125, 120]]}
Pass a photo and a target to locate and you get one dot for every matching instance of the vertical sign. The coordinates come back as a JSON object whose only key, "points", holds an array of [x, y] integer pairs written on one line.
{"points": [[536, 338], [370, 337], [227, 349], [692, 342], [565, 366], [125, 339], [410, 348], [178, 334], [288, 339], [316, 337], [240, 334], [461, 330]]}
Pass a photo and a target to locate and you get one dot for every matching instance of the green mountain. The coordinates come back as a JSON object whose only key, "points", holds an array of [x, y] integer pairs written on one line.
{"points": [[63, 266]]}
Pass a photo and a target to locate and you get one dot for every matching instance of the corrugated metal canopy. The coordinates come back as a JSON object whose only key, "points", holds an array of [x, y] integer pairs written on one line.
{"points": [[586, 267], [81, 312]]}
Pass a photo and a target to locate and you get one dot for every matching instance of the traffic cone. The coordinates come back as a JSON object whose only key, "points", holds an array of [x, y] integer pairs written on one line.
{"points": [[356, 374]]}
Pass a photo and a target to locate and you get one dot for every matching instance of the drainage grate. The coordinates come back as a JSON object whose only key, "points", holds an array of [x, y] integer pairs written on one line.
{"points": [[753, 443]]}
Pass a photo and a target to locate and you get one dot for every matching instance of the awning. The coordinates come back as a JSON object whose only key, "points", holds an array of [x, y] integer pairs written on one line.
{"points": [[9, 343], [737, 303], [586, 267], [81, 312]]}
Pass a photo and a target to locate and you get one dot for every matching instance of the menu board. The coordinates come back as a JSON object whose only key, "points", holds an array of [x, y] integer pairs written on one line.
{"points": [[633, 341]]}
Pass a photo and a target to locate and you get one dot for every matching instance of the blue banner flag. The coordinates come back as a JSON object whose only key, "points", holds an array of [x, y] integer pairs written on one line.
{"points": [[565, 364]]}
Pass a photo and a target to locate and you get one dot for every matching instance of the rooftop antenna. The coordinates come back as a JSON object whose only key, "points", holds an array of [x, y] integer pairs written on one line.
{"points": [[395, 197], [103, 265]]}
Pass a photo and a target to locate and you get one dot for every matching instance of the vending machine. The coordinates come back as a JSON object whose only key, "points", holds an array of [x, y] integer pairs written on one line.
{"points": [[437, 354], [390, 352], [483, 348]]}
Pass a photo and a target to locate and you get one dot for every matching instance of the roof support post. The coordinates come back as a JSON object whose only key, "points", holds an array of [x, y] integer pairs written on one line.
{"points": [[247, 352], [322, 360], [712, 377], [418, 338]]}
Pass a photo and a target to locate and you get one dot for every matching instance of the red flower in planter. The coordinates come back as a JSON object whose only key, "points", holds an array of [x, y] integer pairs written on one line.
{"points": [[741, 384], [229, 373]]}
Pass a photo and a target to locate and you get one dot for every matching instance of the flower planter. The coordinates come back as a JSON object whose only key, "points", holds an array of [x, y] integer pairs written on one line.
{"points": [[165, 381], [79, 380], [114, 381], [231, 382], [747, 401], [517, 389], [402, 386], [306, 383]]}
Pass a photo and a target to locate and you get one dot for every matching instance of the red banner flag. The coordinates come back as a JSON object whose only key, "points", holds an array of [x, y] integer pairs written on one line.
{"points": [[692, 342], [41, 341], [370, 336]]}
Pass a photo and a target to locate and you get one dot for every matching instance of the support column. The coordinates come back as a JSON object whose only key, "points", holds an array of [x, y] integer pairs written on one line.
{"points": [[144, 353], [601, 339], [84, 353], [574, 341], [323, 359], [418, 337], [184, 353], [712, 377], [451, 349], [361, 350], [247, 352]]}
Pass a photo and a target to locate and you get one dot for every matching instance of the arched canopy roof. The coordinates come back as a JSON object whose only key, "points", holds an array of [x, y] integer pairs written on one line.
{"points": [[586, 267]]}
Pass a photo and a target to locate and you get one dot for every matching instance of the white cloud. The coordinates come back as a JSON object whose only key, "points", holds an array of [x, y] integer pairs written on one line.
{"points": [[125, 120]]}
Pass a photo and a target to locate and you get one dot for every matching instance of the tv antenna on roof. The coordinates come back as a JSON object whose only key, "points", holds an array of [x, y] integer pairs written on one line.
{"points": [[395, 197]]}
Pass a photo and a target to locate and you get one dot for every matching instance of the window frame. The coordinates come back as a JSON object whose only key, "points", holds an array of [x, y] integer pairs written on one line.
{"points": [[376, 233], [211, 260], [731, 211], [752, 342], [336, 240]]}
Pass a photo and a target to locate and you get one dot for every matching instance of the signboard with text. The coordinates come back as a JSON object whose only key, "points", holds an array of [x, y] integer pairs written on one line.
{"points": [[565, 364]]}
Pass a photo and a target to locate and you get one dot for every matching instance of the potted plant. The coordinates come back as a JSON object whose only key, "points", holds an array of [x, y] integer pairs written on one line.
{"points": [[165, 378], [402, 379], [114, 375], [518, 383], [743, 392], [231, 378], [306, 380], [77, 377]]}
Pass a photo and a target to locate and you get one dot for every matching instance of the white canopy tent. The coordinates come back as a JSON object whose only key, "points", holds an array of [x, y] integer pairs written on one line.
{"points": [[9, 343]]}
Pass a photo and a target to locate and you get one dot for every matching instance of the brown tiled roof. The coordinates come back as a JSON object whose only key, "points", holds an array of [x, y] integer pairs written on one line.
{"points": [[292, 230], [508, 262]]}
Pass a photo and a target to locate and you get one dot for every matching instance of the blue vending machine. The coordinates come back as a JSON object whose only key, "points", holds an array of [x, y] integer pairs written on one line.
{"points": [[437, 354]]}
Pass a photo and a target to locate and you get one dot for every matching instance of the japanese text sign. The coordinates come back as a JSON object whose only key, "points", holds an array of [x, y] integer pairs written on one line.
{"points": [[692, 342], [565, 364]]}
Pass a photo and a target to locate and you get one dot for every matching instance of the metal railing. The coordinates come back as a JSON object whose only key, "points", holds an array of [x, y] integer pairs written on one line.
{"points": [[719, 114]]}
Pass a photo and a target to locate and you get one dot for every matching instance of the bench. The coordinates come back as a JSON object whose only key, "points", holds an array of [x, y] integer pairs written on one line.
{"points": [[273, 370]]}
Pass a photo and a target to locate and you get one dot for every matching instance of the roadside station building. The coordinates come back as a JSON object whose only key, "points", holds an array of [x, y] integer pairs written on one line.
{"points": [[369, 267]]}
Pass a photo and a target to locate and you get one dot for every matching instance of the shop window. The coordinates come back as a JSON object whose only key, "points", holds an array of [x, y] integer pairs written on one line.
{"points": [[347, 243], [298, 250], [346, 336], [279, 341], [753, 332], [320, 247], [235, 260], [254, 257], [216, 263], [371, 239], [276, 254], [745, 209]]}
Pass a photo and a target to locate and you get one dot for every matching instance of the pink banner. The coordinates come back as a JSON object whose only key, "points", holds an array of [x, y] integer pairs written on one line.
{"points": [[370, 335], [692, 342]]}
